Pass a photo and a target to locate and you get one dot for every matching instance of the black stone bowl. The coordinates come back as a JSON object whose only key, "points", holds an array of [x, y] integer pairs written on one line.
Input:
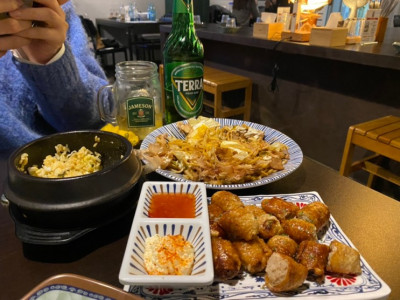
{"points": [[75, 202]]}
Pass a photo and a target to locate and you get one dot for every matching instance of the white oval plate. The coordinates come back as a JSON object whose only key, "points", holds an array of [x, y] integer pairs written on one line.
{"points": [[271, 135]]}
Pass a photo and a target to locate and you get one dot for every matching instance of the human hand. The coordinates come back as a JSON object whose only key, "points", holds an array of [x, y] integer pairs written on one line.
{"points": [[46, 39], [10, 26]]}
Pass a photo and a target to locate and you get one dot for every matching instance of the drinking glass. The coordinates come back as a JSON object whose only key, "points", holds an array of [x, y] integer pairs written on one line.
{"points": [[231, 22], [196, 19], [224, 19]]}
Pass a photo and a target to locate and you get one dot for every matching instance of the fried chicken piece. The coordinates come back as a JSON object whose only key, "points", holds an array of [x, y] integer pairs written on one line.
{"points": [[343, 259], [280, 208], [314, 257], [226, 260], [253, 254], [283, 273], [216, 230], [268, 225], [226, 200], [300, 230], [316, 213], [283, 244], [239, 224], [214, 212]]}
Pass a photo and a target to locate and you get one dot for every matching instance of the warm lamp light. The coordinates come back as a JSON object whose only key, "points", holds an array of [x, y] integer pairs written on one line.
{"points": [[313, 5], [304, 10]]}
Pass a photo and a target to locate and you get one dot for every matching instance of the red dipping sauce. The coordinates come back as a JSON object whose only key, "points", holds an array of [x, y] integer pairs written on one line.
{"points": [[172, 206]]}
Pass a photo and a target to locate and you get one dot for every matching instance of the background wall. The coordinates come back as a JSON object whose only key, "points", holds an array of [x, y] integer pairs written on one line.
{"points": [[102, 8]]}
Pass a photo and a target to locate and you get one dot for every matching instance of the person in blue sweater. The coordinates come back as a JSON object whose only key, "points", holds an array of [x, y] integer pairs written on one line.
{"points": [[49, 77]]}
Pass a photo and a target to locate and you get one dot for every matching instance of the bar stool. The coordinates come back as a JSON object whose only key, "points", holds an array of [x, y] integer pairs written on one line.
{"points": [[381, 136], [149, 43], [218, 82]]}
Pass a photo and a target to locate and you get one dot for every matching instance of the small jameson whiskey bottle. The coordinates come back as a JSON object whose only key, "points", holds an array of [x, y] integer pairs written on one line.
{"points": [[183, 57]]}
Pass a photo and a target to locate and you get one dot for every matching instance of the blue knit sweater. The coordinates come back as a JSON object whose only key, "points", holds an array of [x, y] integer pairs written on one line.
{"points": [[39, 100]]}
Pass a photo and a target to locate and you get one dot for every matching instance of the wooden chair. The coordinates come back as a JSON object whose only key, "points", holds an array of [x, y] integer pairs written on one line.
{"points": [[217, 82], [380, 136]]}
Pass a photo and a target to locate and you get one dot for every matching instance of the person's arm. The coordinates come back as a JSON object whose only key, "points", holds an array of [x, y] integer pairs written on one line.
{"points": [[67, 88], [13, 131], [10, 26], [47, 33], [255, 13], [22, 57]]}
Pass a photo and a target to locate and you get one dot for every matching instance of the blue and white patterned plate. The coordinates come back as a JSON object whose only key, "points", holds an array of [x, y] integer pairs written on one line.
{"points": [[366, 286], [271, 135]]}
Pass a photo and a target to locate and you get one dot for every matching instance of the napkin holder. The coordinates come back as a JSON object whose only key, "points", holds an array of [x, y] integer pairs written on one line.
{"points": [[270, 31], [328, 37]]}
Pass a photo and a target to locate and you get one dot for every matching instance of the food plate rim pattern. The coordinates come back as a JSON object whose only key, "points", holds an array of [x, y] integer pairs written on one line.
{"points": [[271, 135], [366, 286]]}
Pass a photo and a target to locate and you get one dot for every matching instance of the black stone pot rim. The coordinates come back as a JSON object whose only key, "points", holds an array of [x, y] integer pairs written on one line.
{"points": [[41, 179], [114, 193]]}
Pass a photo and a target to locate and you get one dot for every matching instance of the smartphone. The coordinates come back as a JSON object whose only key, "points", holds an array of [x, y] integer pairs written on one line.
{"points": [[27, 3]]}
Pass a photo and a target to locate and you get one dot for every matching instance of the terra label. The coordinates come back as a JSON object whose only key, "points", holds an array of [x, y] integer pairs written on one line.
{"points": [[187, 88]]}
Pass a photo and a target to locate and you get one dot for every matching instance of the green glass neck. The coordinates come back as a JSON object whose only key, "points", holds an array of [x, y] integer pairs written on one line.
{"points": [[182, 6], [182, 14]]}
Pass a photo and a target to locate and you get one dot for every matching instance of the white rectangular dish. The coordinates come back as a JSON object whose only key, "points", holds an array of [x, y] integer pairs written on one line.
{"points": [[194, 230], [150, 188], [367, 286]]}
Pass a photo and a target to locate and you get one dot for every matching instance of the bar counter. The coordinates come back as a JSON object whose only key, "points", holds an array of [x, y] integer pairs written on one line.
{"points": [[382, 55], [370, 220]]}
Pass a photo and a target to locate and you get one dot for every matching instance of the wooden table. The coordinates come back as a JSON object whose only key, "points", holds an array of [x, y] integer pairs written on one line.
{"points": [[127, 33], [370, 219]]}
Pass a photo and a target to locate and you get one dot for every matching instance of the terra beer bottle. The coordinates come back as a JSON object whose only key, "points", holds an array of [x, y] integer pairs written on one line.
{"points": [[183, 56]]}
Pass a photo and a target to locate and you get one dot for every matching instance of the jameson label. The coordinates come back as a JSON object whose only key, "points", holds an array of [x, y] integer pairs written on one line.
{"points": [[140, 112], [181, 7], [187, 89]]}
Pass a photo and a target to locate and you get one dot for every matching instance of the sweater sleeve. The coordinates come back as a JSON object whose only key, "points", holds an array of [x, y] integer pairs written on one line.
{"points": [[13, 131], [66, 90]]}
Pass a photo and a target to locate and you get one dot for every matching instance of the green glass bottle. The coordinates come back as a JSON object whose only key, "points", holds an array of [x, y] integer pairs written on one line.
{"points": [[183, 58]]}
